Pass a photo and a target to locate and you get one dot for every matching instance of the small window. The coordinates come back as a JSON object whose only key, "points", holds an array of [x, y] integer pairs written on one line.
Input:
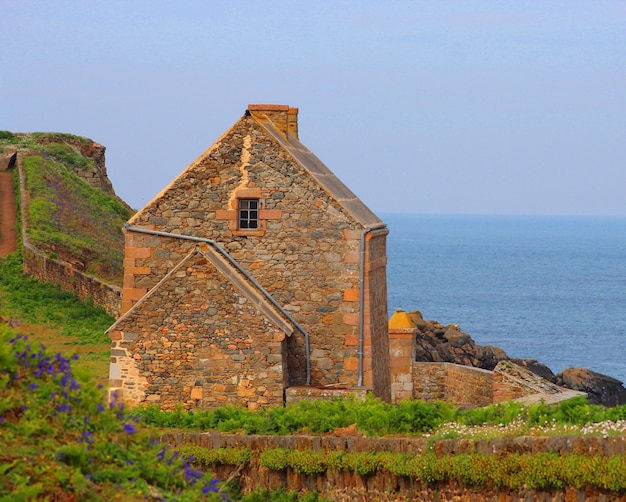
{"points": [[248, 214]]}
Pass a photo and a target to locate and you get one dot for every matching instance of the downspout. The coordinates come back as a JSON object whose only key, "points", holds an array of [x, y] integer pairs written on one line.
{"points": [[231, 260], [362, 300]]}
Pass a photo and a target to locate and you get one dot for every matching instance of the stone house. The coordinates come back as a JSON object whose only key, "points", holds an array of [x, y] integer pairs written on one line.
{"points": [[255, 271]]}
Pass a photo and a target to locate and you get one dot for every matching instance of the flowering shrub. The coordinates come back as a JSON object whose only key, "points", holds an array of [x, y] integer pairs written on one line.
{"points": [[60, 440]]}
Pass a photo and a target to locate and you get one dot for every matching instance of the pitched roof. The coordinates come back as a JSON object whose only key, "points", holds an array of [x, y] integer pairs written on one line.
{"points": [[320, 172], [302, 155], [234, 276]]}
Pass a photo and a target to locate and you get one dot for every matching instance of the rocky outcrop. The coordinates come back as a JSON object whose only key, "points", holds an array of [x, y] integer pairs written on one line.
{"points": [[600, 389], [438, 343], [94, 175]]}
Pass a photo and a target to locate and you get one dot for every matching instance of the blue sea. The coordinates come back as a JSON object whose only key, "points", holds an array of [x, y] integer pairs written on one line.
{"points": [[540, 287]]}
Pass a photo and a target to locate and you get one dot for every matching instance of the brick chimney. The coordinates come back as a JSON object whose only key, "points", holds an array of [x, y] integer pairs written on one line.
{"points": [[282, 117]]}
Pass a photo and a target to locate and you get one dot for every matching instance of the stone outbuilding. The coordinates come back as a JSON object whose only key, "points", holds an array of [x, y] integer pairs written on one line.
{"points": [[256, 270]]}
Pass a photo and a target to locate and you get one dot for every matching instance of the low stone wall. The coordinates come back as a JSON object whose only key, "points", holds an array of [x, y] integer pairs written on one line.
{"points": [[462, 385], [298, 393], [470, 387], [37, 265], [347, 486], [59, 272]]}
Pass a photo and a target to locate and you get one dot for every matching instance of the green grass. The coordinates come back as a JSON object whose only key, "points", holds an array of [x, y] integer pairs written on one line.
{"points": [[373, 417], [32, 301]]}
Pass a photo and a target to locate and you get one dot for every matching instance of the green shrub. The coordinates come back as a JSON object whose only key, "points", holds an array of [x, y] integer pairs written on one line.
{"points": [[541, 471], [68, 155]]}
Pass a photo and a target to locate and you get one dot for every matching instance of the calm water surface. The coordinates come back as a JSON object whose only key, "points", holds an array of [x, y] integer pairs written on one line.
{"points": [[547, 288]]}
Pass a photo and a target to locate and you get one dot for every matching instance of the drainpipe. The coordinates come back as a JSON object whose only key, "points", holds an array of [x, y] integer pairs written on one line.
{"points": [[232, 261], [362, 301]]}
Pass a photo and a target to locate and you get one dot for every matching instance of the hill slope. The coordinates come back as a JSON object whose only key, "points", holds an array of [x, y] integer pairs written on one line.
{"points": [[72, 210]]}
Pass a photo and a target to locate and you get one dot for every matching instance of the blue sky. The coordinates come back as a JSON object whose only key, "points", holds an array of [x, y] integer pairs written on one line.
{"points": [[508, 107]]}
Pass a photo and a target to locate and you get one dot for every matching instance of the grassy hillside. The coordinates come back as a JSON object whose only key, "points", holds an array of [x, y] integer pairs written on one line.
{"points": [[68, 218], [48, 315]]}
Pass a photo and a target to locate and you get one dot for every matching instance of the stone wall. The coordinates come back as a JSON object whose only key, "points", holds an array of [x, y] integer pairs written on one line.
{"points": [[43, 268], [382, 486], [178, 348], [85, 287], [471, 387], [453, 383]]}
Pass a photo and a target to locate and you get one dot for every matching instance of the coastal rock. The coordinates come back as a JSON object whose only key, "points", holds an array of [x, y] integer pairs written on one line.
{"points": [[601, 389], [537, 368], [438, 343]]}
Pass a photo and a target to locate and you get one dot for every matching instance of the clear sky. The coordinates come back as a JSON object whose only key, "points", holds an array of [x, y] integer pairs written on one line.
{"points": [[488, 107]]}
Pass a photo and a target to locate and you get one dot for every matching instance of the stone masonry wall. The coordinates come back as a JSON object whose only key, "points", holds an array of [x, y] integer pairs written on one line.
{"points": [[305, 253], [401, 348], [85, 287], [473, 387], [382, 486], [178, 347], [454, 383]]}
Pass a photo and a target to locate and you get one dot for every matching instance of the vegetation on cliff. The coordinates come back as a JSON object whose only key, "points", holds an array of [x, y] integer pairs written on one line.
{"points": [[68, 218]]}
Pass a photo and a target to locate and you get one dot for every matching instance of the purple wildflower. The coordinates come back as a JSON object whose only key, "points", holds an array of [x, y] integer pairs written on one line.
{"points": [[64, 408], [212, 487], [129, 428]]}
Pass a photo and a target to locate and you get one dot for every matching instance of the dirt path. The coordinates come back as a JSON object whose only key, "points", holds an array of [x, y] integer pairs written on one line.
{"points": [[8, 221]]}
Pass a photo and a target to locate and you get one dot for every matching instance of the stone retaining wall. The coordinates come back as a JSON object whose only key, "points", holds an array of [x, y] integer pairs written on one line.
{"points": [[346, 486], [37, 265]]}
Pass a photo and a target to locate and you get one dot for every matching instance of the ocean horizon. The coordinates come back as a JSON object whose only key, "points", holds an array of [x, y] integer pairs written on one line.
{"points": [[550, 288]]}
